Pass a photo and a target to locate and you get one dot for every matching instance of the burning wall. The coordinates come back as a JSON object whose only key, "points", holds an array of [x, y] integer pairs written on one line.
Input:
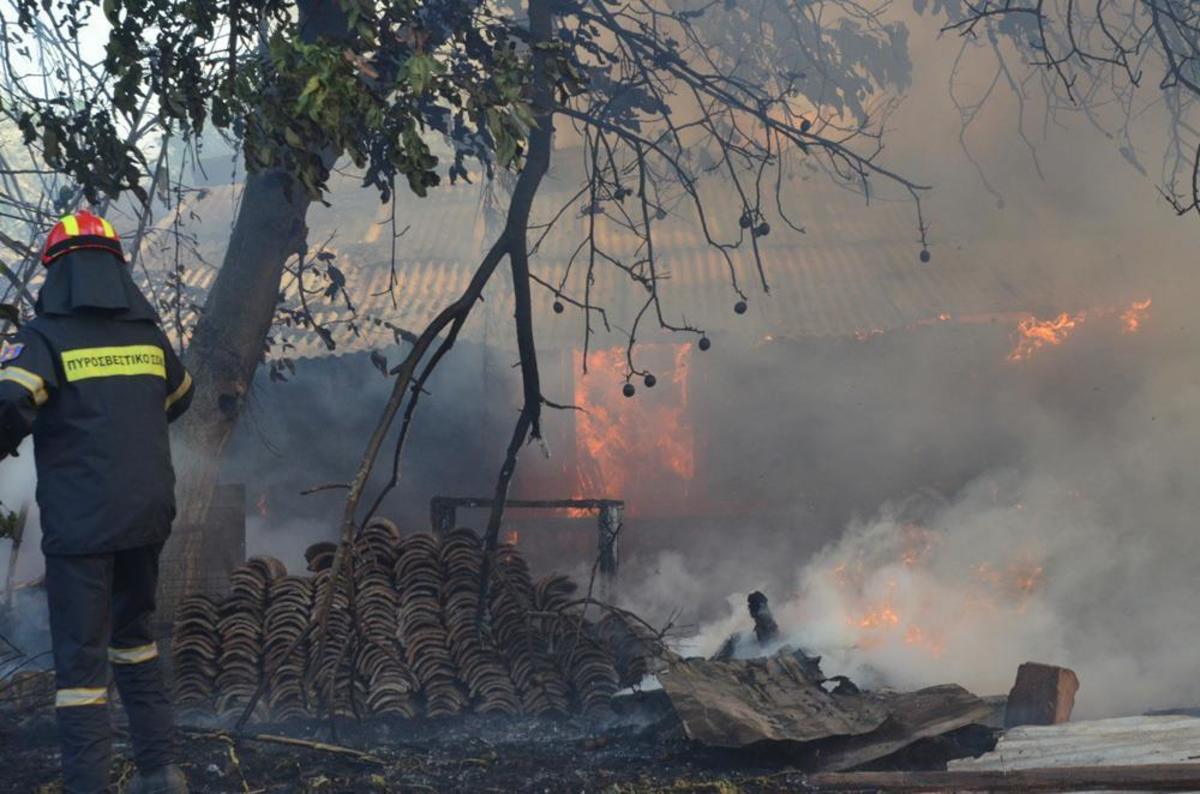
{"points": [[639, 448]]}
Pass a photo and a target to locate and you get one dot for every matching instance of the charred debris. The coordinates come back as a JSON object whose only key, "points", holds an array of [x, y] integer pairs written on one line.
{"points": [[548, 689]]}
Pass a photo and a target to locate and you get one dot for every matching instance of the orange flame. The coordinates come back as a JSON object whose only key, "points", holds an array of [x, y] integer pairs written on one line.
{"points": [[919, 544], [512, 537], [885, 615], [625, 443], [1034, 334], [917, 637], [1133, 317], [880, 615], [1014, 581]]}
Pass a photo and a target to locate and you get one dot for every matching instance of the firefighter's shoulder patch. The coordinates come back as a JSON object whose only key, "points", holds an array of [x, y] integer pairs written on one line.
{"points": [[9, 351]]}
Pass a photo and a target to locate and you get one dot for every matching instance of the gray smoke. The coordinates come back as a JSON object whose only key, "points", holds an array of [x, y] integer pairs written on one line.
{"points": [[1078, 551], [985, 512]]}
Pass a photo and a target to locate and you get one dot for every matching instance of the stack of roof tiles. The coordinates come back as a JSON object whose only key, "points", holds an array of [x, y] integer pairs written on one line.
{"points": [[405, 639]]}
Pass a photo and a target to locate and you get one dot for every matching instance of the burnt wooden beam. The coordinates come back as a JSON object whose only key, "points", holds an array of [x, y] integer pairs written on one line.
{"points": [[441, 503], [443, 514], [1147, 777], [1042, 695], [609, 529]]}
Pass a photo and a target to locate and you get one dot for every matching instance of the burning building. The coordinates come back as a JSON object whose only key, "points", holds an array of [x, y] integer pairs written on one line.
{"points": [[702, 448], [864, 376]]}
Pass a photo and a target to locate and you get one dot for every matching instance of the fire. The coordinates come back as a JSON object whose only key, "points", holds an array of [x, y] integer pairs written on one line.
{"points": [[888, 604], [623, 445], [882, 623], [884, 616], [512, 537], [1014, 581], [1133, 317], [1034, 334], [919, 544], [917, 637]]}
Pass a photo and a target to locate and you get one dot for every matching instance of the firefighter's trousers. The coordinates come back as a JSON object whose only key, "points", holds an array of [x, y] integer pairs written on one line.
{"points": [[101, 607]]}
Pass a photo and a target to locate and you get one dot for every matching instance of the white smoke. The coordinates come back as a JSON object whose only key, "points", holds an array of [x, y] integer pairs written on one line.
{"points": [[1082, 555], [964, 597]]}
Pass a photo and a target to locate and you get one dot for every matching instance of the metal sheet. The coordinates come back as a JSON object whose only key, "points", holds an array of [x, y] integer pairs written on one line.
{"points": [[742, 702], [1110, 742]]}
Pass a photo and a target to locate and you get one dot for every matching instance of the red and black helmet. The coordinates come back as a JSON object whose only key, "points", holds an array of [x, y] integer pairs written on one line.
{"points": [[81, 230]]}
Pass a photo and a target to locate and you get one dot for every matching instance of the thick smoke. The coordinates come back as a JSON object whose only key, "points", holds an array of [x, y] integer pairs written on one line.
{"points": [[974, 513], [1078, 549]]}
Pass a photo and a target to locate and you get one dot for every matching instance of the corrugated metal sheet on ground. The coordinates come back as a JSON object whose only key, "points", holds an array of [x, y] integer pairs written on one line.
{"points": [[1112, 742]]}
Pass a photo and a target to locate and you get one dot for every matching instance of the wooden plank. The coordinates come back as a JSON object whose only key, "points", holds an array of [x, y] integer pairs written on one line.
{"points": [[1151, 777], [1042, 695]]}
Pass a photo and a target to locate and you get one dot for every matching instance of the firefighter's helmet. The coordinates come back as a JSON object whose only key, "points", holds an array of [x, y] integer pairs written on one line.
{"points": [[81, 230]]}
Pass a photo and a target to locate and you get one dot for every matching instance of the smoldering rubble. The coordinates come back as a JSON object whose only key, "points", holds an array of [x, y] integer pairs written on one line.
{"points": [[415, 690]]}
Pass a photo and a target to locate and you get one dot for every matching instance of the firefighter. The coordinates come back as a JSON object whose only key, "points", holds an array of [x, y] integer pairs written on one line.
{"points": [[95, 380]]}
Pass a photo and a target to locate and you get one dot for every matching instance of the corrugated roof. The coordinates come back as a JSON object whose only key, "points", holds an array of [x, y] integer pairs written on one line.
{"points": [[856, 270], [1111, 742]]}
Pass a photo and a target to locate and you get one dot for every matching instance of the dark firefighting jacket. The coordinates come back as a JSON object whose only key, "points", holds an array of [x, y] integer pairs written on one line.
{"points": [[96, 381]]}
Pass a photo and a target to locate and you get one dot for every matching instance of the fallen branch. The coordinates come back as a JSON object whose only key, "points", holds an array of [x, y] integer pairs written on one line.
{"points": [[1148, 777], [267, 738], [333, 486]]}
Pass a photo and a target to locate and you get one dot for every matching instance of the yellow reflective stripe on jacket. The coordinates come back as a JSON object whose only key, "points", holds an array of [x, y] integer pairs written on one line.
{"points": [[32, 382], [177, 395], [81, 696], [70, 225], [142, 653], [109, 362], [108, 228]]}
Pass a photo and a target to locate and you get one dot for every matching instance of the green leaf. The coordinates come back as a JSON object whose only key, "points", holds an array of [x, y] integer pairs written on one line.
{"points": [[523, 113], [420, 72], [313, 84]]}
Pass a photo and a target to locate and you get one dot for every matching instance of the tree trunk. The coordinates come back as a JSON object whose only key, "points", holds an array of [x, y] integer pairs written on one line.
{"points": [[223, 355], [230, 337]]}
